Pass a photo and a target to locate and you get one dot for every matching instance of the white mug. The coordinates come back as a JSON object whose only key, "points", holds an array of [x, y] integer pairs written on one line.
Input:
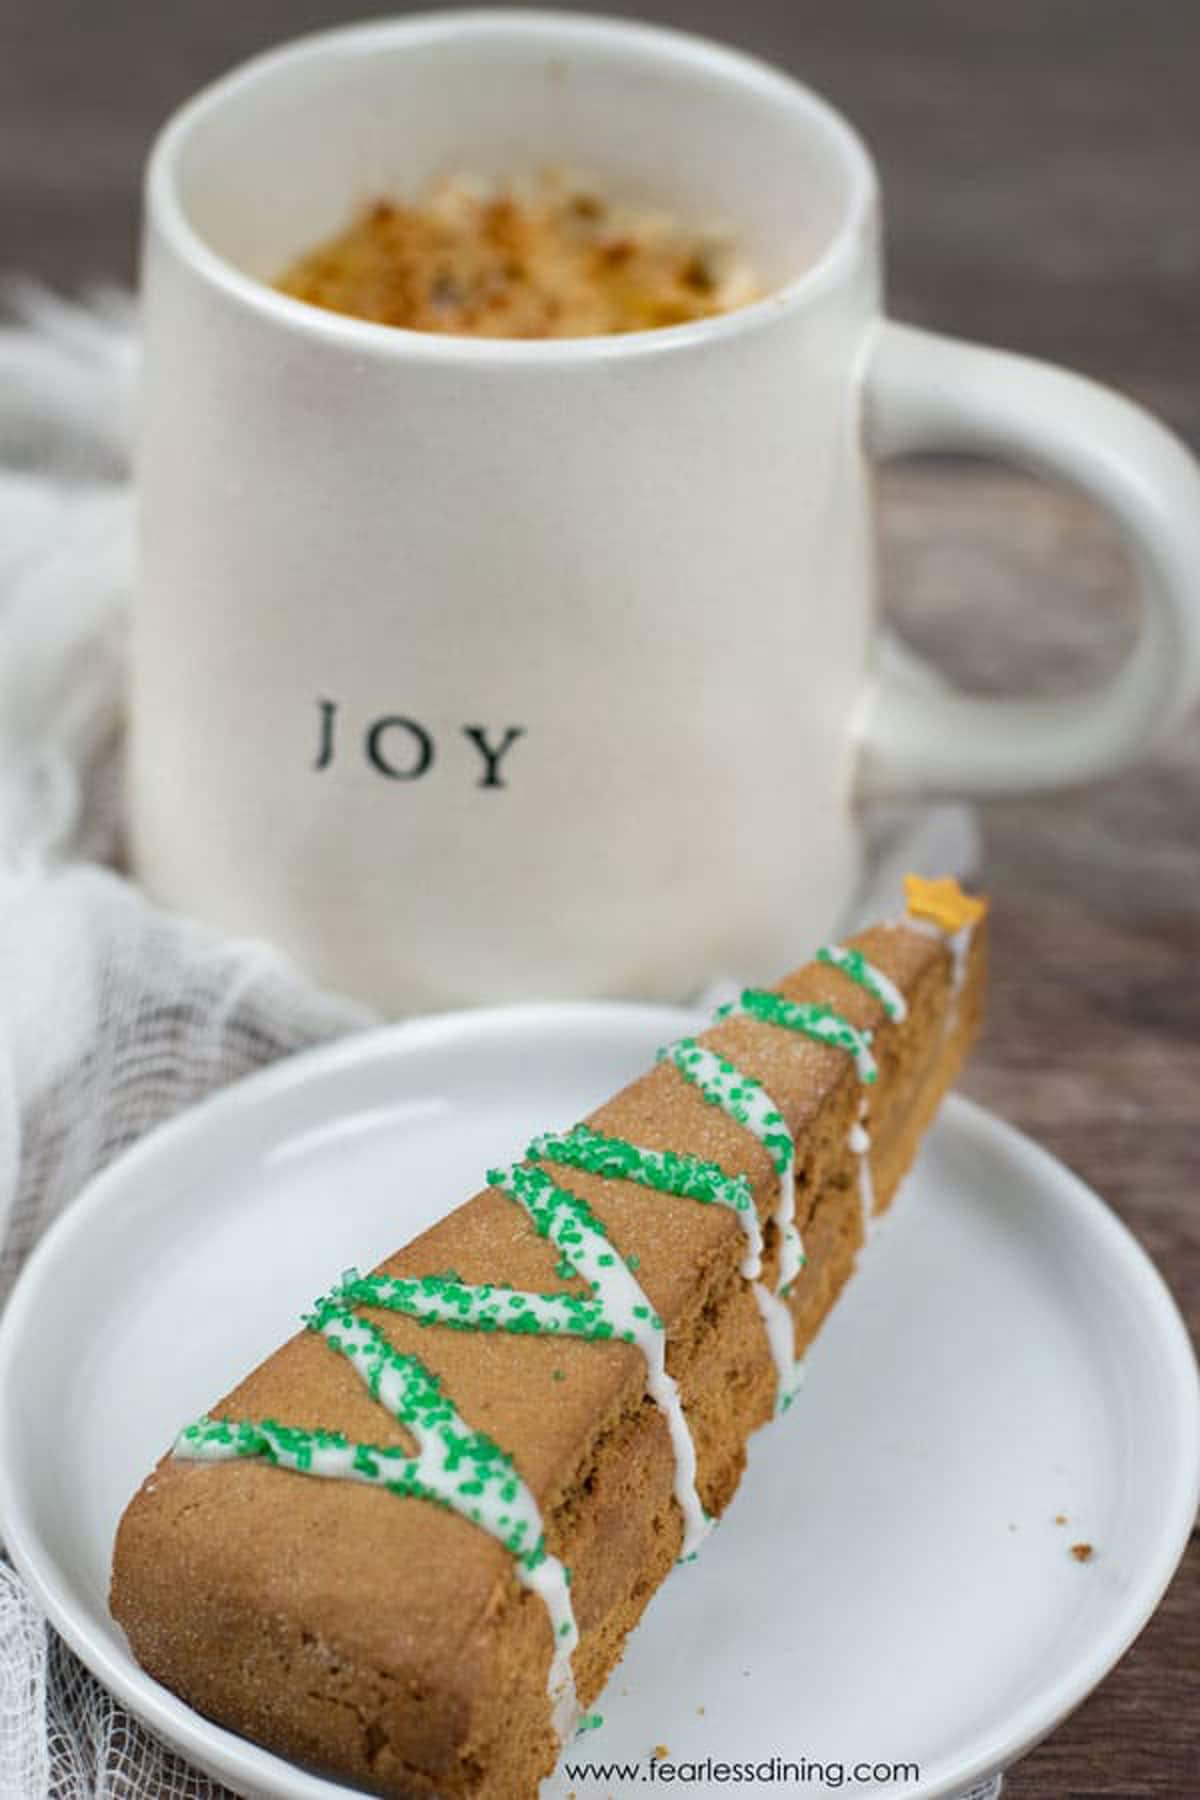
{"points": [[472, 669]]}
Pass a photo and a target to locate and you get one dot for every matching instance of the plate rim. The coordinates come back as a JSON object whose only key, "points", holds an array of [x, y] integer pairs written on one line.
{"points": [[238, 1759]]}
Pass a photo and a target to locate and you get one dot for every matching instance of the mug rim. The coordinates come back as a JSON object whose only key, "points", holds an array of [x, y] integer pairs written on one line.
{"points": [[166, 215]]}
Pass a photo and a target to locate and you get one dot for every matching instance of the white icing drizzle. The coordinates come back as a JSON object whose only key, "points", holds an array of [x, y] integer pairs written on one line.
{"points": [[572, 1228], [668, 1172], [860, 1144], [747, 1103], [958, 943], [791, 1245], [872, 980], [780, 1328], [809, 1019]]}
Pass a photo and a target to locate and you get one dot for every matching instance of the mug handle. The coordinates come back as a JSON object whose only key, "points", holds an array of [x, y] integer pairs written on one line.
{"points": [[923, 391]]}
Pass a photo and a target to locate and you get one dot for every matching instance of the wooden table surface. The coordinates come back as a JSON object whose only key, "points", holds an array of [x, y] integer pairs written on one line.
{"points": [[1041, 163]]}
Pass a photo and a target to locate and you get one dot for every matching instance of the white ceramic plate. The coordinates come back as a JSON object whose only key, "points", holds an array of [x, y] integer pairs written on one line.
{"points": [[890, 1585]]}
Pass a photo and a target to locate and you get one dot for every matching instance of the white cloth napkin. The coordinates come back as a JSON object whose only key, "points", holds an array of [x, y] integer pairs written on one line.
{"points": [[113, 1014]]}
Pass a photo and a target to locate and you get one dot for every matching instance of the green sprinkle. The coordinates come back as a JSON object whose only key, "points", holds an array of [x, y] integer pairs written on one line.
{"points": [[818, 1022], [854, 965], [667, 1171], [742, 1098]]}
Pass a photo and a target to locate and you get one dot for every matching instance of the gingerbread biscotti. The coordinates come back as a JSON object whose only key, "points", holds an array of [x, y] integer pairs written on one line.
{"points": [[410, 1545]]}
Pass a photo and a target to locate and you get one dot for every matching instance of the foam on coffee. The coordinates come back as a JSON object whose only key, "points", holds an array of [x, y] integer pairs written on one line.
{"points": [[548, 257]]}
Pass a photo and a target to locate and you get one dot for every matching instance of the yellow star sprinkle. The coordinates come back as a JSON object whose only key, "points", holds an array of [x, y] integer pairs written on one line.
{"points": [[942, 902]]}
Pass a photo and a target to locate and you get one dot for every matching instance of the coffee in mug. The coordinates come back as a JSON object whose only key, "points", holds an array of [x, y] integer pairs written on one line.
{"points": [[536, 258]]}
